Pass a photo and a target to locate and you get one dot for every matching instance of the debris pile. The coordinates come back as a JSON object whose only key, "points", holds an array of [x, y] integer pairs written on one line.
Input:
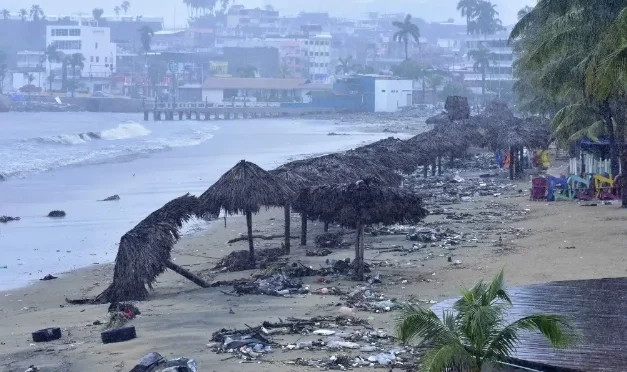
{"points": [[5, 219], [154, 362], [366, 299], [276, 285], [329, 240], [120, 313], [240, 260], [320, 252]]}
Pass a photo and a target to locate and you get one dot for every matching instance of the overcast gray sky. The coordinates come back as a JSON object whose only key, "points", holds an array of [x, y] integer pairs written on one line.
{"points": [[174, 10]]}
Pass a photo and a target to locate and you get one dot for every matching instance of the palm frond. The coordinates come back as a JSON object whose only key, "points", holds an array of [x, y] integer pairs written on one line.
{"points": [[425, 324], [450, 356]]}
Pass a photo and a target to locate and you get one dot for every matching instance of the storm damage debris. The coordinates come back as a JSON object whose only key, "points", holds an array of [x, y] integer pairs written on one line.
{"points": [[154, 362], [276, 285], [329, 240], [120, 313], [5, 219], [240, 260]]}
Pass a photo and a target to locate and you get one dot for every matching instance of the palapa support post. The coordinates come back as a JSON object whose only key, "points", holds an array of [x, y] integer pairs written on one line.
{"points": [[359, 258], [303, 229], [287, 227], [439, 165], [251, 246], [512, 163], [432, 167], [187, 274], [425, 171], [521, 160], [326, 227]]}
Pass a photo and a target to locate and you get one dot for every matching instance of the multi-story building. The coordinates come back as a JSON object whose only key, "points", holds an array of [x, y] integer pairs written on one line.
{"points": [[317, 49], [94, 43], [499, 74]]}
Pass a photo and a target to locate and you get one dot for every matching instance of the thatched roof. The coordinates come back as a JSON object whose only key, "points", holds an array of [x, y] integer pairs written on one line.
{"points": [[244, 188], [364, 201], [441, 118], [457, 108], [144, 250], [342, 168], [390, 152], [294, 181]]}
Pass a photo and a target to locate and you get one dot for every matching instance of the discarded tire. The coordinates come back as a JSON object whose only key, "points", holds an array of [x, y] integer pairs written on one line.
{"points": [[47, 334], [118, 335]]}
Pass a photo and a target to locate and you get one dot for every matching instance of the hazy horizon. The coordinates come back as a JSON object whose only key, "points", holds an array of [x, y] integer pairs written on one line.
{"points": [[175, 14]]}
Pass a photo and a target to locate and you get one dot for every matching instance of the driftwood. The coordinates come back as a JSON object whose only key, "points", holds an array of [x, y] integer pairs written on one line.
{"points": [[262, 237], [187, 274]]}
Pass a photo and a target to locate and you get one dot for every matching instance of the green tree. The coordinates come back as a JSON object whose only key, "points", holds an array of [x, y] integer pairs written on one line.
{"points": [[469, 9], [23, 14], [5, 14], [125, 6], [97, 13], [285, 71], [524, 11], [434, 81], [36, 13], [343, 66], [406, 30], [482, 59], [476, 333], [145, 34], [486, 21], [117, 10]]}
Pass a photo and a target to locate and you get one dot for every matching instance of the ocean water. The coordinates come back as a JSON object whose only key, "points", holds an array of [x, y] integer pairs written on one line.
{"points": [[69, 161]]}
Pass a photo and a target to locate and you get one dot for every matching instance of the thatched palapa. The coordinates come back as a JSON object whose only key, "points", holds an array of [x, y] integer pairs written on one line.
{"points": [[358, 204], [245, 188], [144, 251], [391, 152]]}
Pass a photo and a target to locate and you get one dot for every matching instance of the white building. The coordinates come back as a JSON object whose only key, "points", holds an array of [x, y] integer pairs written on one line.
{"points": [[94, 43], [500, 71], [318, 52], [391, 94]]}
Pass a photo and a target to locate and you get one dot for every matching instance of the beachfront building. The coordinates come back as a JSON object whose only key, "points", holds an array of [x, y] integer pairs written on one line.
{"points": [[318, 52], [252, 90], [367, 93], [499, 75], [94, 43]]}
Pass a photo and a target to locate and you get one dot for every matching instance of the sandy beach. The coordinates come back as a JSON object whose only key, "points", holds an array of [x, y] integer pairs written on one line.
{"points": [[532, 241]]}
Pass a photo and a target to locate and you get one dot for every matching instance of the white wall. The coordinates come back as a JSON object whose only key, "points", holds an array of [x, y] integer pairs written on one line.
{"points": [[390, 95], [20, 79], [213, 95]]}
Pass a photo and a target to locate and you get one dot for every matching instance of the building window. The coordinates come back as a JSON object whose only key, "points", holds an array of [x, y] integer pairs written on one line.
{"points": [[105, 59], [96, 46], [97, 59], [59, 32], [326, 54], [67, 44], [305, 53], [382, 90], [75, 32], [91, 59]]}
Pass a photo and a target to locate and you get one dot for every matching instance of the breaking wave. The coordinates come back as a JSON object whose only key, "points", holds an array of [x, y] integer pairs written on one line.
{"points": [[122, 131]]}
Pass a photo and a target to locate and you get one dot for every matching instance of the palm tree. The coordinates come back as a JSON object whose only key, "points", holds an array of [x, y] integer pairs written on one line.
{"points": [[414, 71], [486, 21], [76, 63], [476, 333], [5, 14], [50, 79], [406, 30], [146, 33], [36, 12], [23, 14], [524, 11], [3, 69], [285, 71], [125, 6], [97, 13], [482, 58], [343, 66], [117, 10], [468, 9]]}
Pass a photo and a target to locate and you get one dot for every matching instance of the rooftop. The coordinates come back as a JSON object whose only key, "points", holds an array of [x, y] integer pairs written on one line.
{"points": [[262, 83]]}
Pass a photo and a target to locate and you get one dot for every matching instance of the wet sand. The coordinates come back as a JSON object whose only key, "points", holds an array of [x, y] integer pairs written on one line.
{"points": [[179, 318]]}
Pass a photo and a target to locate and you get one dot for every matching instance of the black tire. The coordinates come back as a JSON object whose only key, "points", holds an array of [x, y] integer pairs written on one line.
{"points": [[118, 335], [47, 334]]}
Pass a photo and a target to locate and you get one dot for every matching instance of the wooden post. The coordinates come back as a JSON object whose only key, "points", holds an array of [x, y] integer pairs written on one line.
{"points": [[358, 263], [187, 274], [303, 229], [145, 115], [287, 227], [521, 162], [251, 247], [512, 161], [326, 227], [425, 171], [439, 165], [432, 167]]}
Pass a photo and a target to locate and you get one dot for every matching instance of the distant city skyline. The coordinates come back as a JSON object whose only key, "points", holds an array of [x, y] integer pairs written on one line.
{"points": [[175, 14]]}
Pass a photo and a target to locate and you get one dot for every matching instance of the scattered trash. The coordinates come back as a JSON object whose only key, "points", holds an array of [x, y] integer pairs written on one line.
{"points": [[153, 362], [329, 240], [148, 362], [56, 213], [240, 260], [32, 368], [318, 252], [276, 285], [120, 313], [324, 332], [48, 277]]}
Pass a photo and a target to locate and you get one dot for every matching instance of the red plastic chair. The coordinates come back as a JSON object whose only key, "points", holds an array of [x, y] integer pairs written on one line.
{"points": [[538, 188]]}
